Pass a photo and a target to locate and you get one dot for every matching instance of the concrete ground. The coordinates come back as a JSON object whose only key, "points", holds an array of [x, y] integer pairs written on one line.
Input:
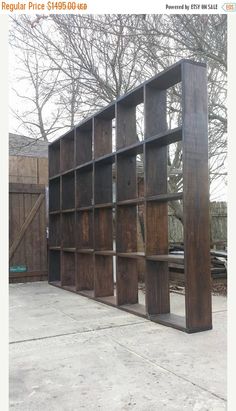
{"points": [[69, 353]]}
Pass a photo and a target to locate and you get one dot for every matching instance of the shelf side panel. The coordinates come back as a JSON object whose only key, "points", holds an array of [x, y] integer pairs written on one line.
{"points": [[196, 198]]}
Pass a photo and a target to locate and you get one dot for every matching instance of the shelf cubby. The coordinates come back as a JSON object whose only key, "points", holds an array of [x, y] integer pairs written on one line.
{"points": [[103, 183], [103, 280], [126, 229], [68, 151], [54, 198], [103, 229], [54, 159], [126, 281], [55, 230], [84, 187], [84, 229], [54, 266], [83, 150], [68, 230], [85, 272], [68, 191], [102, 136], [68, 268]]}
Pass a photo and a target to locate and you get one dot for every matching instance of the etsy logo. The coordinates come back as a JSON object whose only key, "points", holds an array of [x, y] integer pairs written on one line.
{"points": [[229, 7]]}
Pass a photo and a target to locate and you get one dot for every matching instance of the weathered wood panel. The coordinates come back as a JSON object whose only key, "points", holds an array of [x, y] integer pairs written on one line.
{"points": [[27, 230]]}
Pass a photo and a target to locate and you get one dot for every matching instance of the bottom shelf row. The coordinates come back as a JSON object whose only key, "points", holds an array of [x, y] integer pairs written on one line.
{"points": [[114, 281]]}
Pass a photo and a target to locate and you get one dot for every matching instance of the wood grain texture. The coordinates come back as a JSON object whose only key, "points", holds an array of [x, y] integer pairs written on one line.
{"points": [[84, 188], [196, 198], [67, 268], [103, 183], [126, 177], [83, 146], [103, 233], [102, 137], [125, 125], [103, 280], [84, 272], [67, 152], [84, 229], [68, 191], [126, 229], [126, 281]]}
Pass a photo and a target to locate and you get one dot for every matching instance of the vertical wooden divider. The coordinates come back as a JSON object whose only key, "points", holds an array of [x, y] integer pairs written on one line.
{"points": [[196, 198], [157, 273]]}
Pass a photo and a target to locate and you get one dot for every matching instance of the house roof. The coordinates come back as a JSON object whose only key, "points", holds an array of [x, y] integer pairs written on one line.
{"points": [[25, 146]]}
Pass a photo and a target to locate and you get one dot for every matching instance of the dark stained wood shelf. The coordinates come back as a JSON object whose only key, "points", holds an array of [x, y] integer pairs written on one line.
{"points": [[166, 138], [105, 205], [69, 210], [105, 252], [132, 255], [101, 200], [172, 258], [69, 249], [85, 250], [170, 320], [85, 208], [85, 166], [166, 197], [131, 201]]}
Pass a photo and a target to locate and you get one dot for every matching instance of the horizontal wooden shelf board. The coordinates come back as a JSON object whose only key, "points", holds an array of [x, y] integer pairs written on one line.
{"points": [[55, 283], [55, 176], [70, 171], [166, 257], [85, 250], [110, 300], [87, 293], [88, 165], [90, 207], [69, 249], [105, 252], [104, 205], [170, 320], [54, 212], [132, 149], [132, 255], [131, 201], [137, 309], [106, 159], [68, 210], [69, 288], [165, 138], [54, 248], [165, 197]]}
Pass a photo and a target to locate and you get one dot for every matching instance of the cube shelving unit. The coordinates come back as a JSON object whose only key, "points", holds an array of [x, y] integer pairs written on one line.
{"points": [[94, 201]]}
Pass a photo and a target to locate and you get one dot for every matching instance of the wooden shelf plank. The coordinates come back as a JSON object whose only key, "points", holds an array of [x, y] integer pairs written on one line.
{"points": [[132, 255], [54, 212], [170, 320], [68, 210], [85, 250], [85, 166], [51, 247], [131, 201], [105, 205], [166, 138], [69, 249], [105, 252], [86, 208], [165, 197], [166, 257]]}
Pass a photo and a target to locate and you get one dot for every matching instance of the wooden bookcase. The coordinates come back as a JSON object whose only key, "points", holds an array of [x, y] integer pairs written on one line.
{"points": [[94, 202]]}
